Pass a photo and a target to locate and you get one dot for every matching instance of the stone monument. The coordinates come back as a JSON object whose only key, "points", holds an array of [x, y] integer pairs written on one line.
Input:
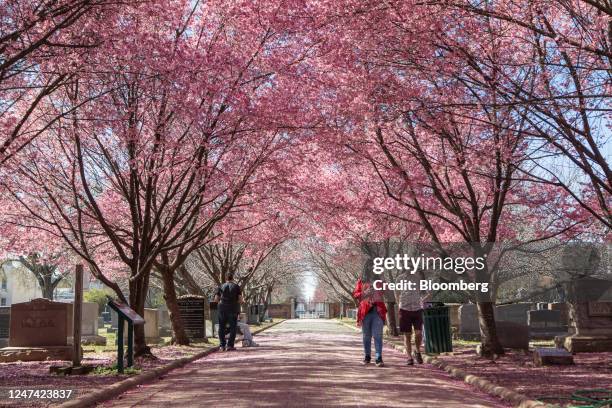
{"points": [[151, 326], [38, 331], [89, 324], [192, 314], [591, 327]]}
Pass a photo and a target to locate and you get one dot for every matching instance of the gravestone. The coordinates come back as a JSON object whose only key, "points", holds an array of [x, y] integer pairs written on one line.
{"points": [[106, 314], [592, 328], [552, 356], [5, 318], [542, 318], [468, 322], [151, 326], [40, 322], [453, 310], [163, 320], [545, 324], [512, 335], [516, 312], [37, 331], [563, 308], [89, 324], [192, 314], [114, 322]]}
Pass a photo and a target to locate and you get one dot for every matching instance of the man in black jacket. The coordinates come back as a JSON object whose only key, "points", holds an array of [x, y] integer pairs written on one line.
{"points": [[229, 296]]}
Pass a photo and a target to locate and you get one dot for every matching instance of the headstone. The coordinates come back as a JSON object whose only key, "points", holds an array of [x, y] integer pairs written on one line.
{"points": [[192, 314], [37, 331], [40, 322], [545, 324], [114, 319], [89, 324], [151, 326], [163, 320], [542, 318], [5, 318], [468, 321], [563, 309], [512, 335], [552, 356], [106, 315], [90, 319], [100, 322], [592, 328], [453, 310], [516, 312]]}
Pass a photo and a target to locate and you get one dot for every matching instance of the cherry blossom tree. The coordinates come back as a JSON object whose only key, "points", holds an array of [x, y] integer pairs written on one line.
{"points": [[42, 43], [559, 76], [186, 118]]}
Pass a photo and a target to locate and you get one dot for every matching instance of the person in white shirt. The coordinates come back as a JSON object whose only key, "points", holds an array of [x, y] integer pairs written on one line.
{"points": [[411, 317]]}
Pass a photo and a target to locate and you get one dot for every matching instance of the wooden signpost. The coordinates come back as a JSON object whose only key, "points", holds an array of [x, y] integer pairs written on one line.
{"points": [[77, 315], [126, 314]]}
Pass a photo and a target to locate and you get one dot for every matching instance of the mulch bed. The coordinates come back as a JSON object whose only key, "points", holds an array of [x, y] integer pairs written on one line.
{"points": [[35, 375], [516, 370]]}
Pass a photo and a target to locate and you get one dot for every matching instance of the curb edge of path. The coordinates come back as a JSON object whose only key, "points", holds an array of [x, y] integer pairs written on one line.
{"points": [[120, 387], [506, 394]]}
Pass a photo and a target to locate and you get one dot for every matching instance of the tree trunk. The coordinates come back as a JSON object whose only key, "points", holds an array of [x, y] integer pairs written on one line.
{"points": [[138, 294], [180, 336], [489, 342], [391, 320], [47, 291]]}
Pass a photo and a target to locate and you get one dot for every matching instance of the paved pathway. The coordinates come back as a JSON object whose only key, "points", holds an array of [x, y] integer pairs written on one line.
{"points": [[304, 363]]}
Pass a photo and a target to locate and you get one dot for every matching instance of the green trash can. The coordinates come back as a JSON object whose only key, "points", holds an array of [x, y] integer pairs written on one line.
{"points": [[438, 338]]}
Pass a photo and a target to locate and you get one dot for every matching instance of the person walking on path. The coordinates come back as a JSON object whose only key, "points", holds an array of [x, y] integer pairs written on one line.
{"points": [[371, 314], [411, 317], [229, 296]]}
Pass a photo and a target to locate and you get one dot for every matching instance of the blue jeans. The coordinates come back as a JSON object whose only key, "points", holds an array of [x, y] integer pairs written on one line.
{"points": [[226, 317], [372, 326]]}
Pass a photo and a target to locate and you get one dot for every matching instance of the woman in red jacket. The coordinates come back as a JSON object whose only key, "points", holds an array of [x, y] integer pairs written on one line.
{"points": [[371, 314]]}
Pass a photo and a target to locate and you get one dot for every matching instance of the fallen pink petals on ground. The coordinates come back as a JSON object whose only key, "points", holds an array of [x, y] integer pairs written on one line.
{"points": [[516, 370], [35, 375], [305, 363]]}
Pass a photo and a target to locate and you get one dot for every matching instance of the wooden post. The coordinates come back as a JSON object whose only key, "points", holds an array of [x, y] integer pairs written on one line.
{"points": [[130, 344], [76, 316], [120, 343]]}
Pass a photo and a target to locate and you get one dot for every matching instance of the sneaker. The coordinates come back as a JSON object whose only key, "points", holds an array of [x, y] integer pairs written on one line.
{"points": [[222, 348], [379, 362], [410, 361], [417, 356], [366, 360], [231, 348]]}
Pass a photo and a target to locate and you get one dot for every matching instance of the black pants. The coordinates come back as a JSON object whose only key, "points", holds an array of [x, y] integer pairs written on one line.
{"points": [[226, 317]]}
